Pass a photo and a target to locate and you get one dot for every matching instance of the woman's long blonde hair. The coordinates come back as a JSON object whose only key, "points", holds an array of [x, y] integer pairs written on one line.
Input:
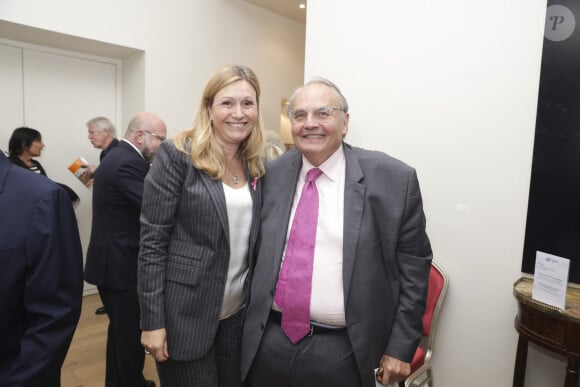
{"points": [[200, 142]]}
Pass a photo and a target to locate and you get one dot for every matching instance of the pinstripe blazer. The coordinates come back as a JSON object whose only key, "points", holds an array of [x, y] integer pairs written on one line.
{"points": [[184, 252]]}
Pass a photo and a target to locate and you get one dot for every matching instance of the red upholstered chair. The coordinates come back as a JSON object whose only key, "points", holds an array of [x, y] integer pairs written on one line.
{"points": [[421, 372]]}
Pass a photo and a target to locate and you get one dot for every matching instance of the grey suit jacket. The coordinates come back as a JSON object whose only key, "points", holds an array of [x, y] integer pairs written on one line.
{"points": [[386, 256], [184, 252]]}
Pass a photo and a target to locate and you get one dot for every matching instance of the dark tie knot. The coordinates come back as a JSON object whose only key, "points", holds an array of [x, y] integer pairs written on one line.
{"points": [[313, 174]]}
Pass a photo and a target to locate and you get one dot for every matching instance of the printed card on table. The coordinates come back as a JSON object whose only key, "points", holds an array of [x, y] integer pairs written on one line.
{"points": [[551, 279]]}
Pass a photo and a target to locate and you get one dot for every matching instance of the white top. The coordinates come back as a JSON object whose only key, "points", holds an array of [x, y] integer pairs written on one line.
{"points": [[239, 208], [327, 299]]}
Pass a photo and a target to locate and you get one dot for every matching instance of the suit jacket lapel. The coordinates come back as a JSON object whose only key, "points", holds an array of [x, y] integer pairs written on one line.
{"points": [[286, 178], [256, 193], [354, 195], [216, 193]]}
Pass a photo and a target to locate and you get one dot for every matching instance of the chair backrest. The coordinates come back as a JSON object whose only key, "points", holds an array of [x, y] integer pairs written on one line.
{"points": [[438, 284], [436, 291]]}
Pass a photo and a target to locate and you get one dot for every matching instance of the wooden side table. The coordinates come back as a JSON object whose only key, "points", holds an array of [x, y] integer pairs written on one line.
{"points": [[548, 327]]}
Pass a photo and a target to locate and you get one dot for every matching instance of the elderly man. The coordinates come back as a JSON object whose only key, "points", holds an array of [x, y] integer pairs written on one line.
{"points": [[102, 135], [340, 281], [114, 245]]}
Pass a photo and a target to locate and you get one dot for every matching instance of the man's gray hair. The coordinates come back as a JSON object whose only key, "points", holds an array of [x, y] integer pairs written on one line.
{"points": [[102, 123], [322, 81]]}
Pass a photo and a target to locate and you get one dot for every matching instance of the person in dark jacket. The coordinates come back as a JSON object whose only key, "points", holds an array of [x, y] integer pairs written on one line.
{"points": [[114, 245], [102, 135], [41, 281]]}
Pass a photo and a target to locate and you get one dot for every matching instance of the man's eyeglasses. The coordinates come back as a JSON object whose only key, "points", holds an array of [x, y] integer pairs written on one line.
{"points": [[160, 138], [320, 115]]}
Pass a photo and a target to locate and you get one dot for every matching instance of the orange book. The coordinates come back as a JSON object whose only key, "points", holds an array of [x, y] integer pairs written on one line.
{"points": [[79, 169]]}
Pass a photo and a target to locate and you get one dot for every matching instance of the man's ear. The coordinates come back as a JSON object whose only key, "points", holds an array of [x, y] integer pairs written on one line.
{"points": [[345, 129]]}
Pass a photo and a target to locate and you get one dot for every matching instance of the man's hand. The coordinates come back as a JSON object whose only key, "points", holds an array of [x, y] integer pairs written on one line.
{"points": [[91, 169], [155, 342], [392, 370]]}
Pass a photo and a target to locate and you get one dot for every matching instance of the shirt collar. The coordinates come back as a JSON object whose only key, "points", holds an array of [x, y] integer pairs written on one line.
{"points": [[134, 147], [331, 167]]}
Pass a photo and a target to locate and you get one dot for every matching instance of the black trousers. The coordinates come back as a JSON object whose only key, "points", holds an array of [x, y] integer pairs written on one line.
{"points": [[320, 360], [125, 355]]}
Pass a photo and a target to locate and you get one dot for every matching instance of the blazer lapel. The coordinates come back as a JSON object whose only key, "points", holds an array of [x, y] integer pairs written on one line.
{"points": [[286, 178], [254, 186], [216, 193], [354, 200]]}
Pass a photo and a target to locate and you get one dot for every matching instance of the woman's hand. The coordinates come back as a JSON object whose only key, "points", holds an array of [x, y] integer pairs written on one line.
{"points": [[155, 343]]}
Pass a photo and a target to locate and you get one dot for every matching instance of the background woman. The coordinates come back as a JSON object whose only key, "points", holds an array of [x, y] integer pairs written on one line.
{"points": [[199, 224], [26, 143]]}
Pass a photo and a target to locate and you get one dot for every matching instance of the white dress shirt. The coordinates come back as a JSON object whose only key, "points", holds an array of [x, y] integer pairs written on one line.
{"points": [[327, 298]]}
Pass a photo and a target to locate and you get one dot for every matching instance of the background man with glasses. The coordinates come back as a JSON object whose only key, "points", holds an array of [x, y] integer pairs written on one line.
{"points": [[114, 245], [367, 258]]}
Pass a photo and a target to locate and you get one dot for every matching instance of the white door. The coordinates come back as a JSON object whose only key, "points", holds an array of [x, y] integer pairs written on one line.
{"points": [[61, 92]]}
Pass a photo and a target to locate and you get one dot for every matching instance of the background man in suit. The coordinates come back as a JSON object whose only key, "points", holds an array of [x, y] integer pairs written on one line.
{"points": [[41, 277], [102, 135], [114, 245], [370, 265]]}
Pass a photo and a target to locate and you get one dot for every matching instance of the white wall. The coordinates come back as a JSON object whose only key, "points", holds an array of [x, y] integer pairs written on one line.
{"points": [[168, 51], [184, 42], [451, 88]]}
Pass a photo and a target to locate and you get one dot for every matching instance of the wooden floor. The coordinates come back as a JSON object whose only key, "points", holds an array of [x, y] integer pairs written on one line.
{"points": [[85, 363]]}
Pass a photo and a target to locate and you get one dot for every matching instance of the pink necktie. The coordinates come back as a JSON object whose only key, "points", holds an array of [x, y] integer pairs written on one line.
{"points": [[295, 281]]}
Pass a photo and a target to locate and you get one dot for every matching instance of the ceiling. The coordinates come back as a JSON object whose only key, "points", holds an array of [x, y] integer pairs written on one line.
{"points": [[286, 8]]}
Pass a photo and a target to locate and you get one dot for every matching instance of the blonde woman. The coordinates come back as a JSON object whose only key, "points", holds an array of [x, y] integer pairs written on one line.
{"points": [[199, 224]]}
